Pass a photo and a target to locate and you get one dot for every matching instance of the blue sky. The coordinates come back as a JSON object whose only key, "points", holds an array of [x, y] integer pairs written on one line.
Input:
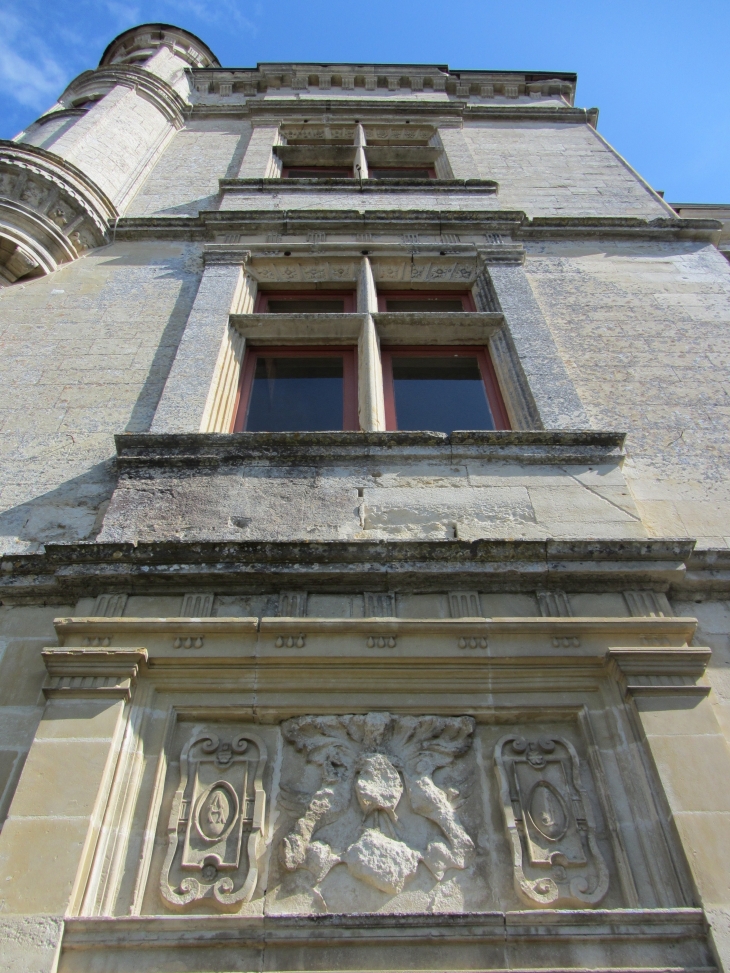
{"points": [[657, 70]]}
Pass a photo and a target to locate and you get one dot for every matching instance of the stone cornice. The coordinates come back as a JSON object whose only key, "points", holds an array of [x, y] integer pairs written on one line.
{"points": [[438, 113], [319, 83], [332, 656], [64, 572], [210, 223], [147, 38]]}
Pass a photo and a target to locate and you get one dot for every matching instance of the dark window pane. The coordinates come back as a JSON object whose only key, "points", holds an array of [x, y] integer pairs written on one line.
{"points": [[399, 173], [440, 394], [424, 304], [305, 305], [296, 394], [319, 172]]}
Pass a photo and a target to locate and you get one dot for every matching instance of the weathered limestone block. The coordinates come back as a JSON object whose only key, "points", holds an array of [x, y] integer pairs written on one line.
{"points": [[357, 490], [30, 944]]}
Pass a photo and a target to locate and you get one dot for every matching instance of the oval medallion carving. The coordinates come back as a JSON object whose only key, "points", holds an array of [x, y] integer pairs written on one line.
{"points": [[548, 811], [217, 811]]}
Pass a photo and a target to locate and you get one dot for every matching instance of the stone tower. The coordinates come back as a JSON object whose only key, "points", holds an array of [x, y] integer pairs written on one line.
{"points": [[364, 529]]}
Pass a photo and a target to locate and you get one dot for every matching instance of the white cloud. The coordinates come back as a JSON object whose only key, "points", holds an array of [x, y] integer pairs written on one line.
{"points": [[29, 74]]}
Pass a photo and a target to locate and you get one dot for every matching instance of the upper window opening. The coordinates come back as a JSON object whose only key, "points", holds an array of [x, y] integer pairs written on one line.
{"points": [[426, 301], [317, 172], [441, 389], [306, 302], [297, 390]]}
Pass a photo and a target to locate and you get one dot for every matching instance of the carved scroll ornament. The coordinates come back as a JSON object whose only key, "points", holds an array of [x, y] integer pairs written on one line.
{"points": [[373, 761], [216, 822], [549, 823]]}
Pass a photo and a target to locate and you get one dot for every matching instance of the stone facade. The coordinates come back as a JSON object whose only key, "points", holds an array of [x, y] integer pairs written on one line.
{"points": [[366, 699]]}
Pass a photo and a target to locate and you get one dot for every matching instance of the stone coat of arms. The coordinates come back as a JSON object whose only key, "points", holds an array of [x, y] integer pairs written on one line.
{"points": [[371, 766]]}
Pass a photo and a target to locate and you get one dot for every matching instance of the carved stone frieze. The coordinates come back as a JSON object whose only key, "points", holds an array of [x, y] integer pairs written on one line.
{"points": [[400, 268], [550, 824], [377, 814], [215, 830], [50, 213]]}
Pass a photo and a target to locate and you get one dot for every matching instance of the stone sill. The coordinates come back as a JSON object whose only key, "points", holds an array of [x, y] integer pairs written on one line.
{"points": [[589, 447], [479, 186], [538, 925]]}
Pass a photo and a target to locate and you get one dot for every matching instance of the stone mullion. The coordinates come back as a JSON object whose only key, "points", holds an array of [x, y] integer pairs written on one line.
{"points": [[371, 401]]}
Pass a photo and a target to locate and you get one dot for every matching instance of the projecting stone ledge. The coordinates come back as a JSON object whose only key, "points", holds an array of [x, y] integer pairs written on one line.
{"points": [[65, 572], [135, 451]]}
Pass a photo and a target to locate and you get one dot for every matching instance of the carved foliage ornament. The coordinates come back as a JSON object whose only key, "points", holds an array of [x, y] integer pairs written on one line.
{"points": [[549, 823], [216, 822], [379, 759]]}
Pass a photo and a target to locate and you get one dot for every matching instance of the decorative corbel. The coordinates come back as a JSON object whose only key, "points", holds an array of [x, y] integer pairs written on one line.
{"points": [[79, 673], [663, 671]]}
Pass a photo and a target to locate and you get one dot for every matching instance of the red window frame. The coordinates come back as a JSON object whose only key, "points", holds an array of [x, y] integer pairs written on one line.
{"points": [[317, 172], [404, 170], [489, 377], [348, 354], [263, 298], [466, 298]]}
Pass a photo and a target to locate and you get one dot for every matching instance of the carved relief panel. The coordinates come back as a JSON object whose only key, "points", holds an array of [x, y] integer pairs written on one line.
{"points": [[381, 813], [216, 824], [549, 822]]}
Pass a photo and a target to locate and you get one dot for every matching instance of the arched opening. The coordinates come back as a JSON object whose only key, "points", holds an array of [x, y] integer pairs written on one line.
{"points": [[17, 263]]}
